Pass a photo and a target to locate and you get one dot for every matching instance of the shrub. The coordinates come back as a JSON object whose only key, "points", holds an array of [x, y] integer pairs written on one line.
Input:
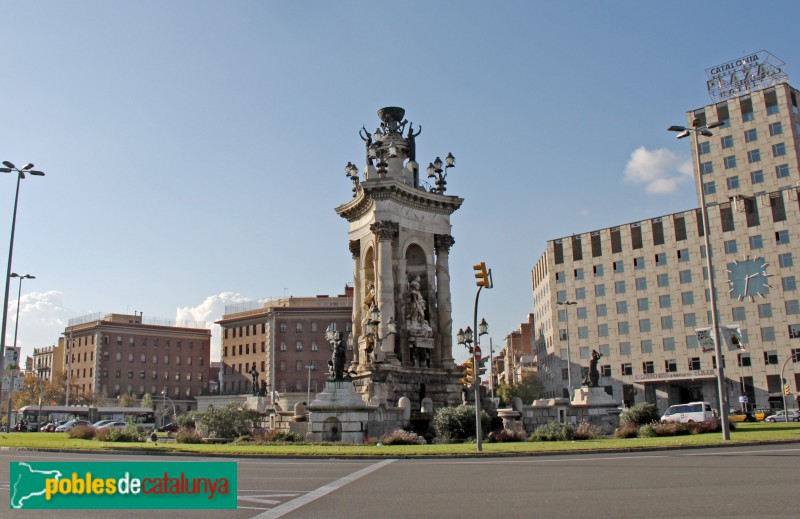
{"points": [[129, 434], [188, 436], [504, 435], [402, 437], [458, 423], [626, 431], [275, 436], [670, 429], [647, 431], [641, 414], [230, 421], [712, 425], [186, 421], [82, 432], [552, 431], [586, 431]]}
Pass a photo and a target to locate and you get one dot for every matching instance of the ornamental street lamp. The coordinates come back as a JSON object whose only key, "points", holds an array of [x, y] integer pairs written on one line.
{"points": [[695, 132], [569, 360], [174, 414], [436, 172], [10, 167], [351, 172], [16, 328]]}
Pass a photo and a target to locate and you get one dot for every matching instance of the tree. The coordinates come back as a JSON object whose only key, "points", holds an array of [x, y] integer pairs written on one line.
{"points": [[128, 400], [147, 401], [529, 389], [230, 421]]}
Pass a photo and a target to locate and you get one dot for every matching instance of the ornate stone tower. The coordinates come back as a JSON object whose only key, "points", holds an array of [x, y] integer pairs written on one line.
{"points": [[400, 240]]}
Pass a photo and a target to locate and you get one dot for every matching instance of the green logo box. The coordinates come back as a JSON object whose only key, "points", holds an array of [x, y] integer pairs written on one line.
{"points": [[123, 485]]}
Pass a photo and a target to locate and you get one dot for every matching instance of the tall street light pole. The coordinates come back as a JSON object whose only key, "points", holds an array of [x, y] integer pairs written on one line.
{"points": [[10, 167], [16, 328], [567, 304], [174, 414], [695, 132], [308, 389]]}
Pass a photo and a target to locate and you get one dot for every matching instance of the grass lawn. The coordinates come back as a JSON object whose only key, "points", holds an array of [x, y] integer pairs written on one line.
{"points": [[744, 433]]}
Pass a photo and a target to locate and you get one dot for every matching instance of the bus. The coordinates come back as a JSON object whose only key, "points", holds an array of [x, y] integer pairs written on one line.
{"points": [[140, 416]]}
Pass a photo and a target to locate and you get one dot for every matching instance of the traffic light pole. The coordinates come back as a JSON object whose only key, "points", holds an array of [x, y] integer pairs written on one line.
{"points": [[475, 376], [785, 386]]}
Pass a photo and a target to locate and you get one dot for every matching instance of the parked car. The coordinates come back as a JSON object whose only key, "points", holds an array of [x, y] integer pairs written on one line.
{"points": [[112, 424], [170, 427], [739, 416], [102, 423], [35, 426], [781, 416], [51, 427], [72, 424]]}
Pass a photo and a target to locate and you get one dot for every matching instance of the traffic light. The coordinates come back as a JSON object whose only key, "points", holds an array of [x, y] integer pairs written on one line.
{"points": [[481, 275], [469, 376], [787, 390], [481, 365]]}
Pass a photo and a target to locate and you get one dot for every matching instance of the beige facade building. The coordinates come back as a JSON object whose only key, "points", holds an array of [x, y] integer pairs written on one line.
{"points": [[43, 362], [281, 339], [640, 289], [114, 354]]}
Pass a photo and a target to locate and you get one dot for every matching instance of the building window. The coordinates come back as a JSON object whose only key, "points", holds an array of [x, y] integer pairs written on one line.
{"points": [[581, 312], [641, 283], [666, 323], [705, 147], [778, 150], [757, 177], [627, 369], [727, 142], [738, 314], [600, 310], [687, 298], [792, 307], [619, 287], [765, 310], [743, 360], [648, 367], [664, 301], [578, 274], [624, 348], [622, 307], [283, 346], [602, 330], [694, 364], [619, 267], [683, 255], [314, 346], [706, 168], [754, 156], [730, 247], [583, 332], [670, 366], [622, 327], [789, 283], [767, 334], [638, 263], [298, 346], [580, 293], [685, 276], [599, 290], [689, 319], [782, 237], [750, 135], [771, 358], [282, 327], [730, 162], [642, 304], [662, 280], [775, 129], [782, 171], [756, 242], [785, 260], [644, 326], [598, 270]]}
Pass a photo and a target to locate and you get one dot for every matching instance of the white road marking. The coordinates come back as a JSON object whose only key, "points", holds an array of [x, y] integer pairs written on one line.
{"points": [[294, 504]]}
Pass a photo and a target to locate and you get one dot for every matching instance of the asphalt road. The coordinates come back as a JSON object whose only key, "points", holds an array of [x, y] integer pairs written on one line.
{"points": [[723, 482]]}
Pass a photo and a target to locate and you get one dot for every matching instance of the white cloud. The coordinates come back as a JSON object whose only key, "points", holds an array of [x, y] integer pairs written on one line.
{"points": [[210, 310], [42, 319], [662, 171]]}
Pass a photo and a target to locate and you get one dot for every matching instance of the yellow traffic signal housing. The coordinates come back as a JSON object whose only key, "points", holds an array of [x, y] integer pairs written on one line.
{"points": [[481, 275], [469, 376], [787, 390]]}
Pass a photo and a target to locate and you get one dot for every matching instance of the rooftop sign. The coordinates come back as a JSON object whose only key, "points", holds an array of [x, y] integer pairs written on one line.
{"points": [[744, 74], [686, 375]]}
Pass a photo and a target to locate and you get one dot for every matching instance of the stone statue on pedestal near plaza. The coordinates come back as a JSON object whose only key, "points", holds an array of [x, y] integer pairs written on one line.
{"points": [[254, 386], [339, 358], [593, 377]]}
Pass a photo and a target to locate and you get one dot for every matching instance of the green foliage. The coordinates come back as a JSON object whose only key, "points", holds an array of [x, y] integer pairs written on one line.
{"points": [[529, 389], [261, 436], [641, 414], [147, 401], [458, 423], [82, 432], [128, 400], [230, 421], [186, 420], [552, 431], [402, 437], [188, 436], [647, 431], [130, 434]]}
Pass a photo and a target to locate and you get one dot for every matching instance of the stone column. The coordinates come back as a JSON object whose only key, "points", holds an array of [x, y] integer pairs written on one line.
{"points": [[442, 243], [400, 303], [355, 250], [385, 230]]}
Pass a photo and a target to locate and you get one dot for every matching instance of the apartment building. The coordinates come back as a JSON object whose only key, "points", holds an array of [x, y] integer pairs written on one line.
{"points": [[284, 340]]}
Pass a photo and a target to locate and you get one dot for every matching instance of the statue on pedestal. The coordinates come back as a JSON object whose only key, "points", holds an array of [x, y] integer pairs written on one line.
{"points": [[593, 377], [339, 358], [254, 375]]}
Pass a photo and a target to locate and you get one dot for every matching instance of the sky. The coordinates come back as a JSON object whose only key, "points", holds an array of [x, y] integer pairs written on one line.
{"points": [[194, 151]]}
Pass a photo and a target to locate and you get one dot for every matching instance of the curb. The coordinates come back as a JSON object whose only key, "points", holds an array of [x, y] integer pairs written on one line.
{"points": [[153, 452]]}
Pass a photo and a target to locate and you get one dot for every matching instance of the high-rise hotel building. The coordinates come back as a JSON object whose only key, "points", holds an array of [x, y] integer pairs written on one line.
{"points": [[641, 289]]}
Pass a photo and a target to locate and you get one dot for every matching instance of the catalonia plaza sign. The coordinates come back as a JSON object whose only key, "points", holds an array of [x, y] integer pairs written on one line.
{"points": [[744, 74], [686, 375]]}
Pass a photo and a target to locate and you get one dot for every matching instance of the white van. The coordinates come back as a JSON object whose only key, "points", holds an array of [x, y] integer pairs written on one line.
{"points": [[688, 413]]}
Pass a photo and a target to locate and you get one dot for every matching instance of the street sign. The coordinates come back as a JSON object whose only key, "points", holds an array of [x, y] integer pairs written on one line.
{"points": [[744, 399], [477, 351]]}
